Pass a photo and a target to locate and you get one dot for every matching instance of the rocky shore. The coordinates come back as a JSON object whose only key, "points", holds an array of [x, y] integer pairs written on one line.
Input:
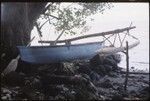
{"points": [[97, 79]]}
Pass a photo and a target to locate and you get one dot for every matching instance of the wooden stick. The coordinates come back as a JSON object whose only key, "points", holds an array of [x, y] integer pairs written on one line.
{"points": [[59, 37], [127, 70], [126, 34], [119, 39], [114, 39], [44, 23], [123, 39], [108, 39], [92, 35], [38, 29]]}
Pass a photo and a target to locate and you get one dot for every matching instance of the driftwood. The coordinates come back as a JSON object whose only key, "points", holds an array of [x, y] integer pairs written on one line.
{"points": [[91, 35]]}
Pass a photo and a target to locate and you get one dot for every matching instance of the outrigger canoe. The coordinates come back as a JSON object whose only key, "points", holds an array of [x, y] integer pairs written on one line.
{"points": [[58, 53], [68, 52]]}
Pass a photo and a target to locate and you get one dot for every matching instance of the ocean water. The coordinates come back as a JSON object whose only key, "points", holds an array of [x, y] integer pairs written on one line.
{"points": [[120, 16]]}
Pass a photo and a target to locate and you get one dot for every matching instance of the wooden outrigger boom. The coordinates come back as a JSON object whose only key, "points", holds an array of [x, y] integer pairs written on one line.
{"points": [[91, 35], [111, 50]]}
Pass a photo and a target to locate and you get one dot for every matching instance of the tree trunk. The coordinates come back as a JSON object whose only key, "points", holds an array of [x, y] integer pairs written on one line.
{"points": [[17, 21]]}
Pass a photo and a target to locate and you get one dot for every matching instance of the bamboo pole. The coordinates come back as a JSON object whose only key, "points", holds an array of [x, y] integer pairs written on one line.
{"points": [[92, 35]]}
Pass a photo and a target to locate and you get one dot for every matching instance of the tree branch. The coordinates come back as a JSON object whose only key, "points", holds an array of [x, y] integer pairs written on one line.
{"points": [[46, 8], [52, 16], [38, 29], [43, 24]]}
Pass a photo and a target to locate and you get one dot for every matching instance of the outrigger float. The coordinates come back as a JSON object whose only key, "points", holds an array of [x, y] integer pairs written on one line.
{"points": [[69, 52]]}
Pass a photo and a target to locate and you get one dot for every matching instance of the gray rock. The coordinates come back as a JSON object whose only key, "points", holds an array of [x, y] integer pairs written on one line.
{"points": [[117, 97], [106, 84], [97, 60], [94, 76], [8, 96], [108, 68], [117, 57], [4, 97], [6, 91], [110, 62]]}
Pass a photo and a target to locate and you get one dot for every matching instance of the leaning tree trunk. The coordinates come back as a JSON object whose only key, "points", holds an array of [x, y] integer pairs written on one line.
{"points": [[17, 21]]}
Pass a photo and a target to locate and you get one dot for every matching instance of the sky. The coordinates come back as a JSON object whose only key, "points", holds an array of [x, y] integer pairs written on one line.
{"points": [[121, 15]]}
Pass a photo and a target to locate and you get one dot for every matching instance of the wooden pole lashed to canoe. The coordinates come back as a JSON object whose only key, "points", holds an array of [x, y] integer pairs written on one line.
{"points": [[91, 35], [59, 36], [110, 50]]}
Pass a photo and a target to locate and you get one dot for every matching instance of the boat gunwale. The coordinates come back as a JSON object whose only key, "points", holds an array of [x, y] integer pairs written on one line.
{"points": [[80, 44]]}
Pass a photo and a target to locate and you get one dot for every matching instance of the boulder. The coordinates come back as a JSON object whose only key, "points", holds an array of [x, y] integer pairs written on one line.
{"points": [[117, 57], [111, 62], [108, 68], [97, 60], [94, 76], [100, 70], [112, 59]]}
